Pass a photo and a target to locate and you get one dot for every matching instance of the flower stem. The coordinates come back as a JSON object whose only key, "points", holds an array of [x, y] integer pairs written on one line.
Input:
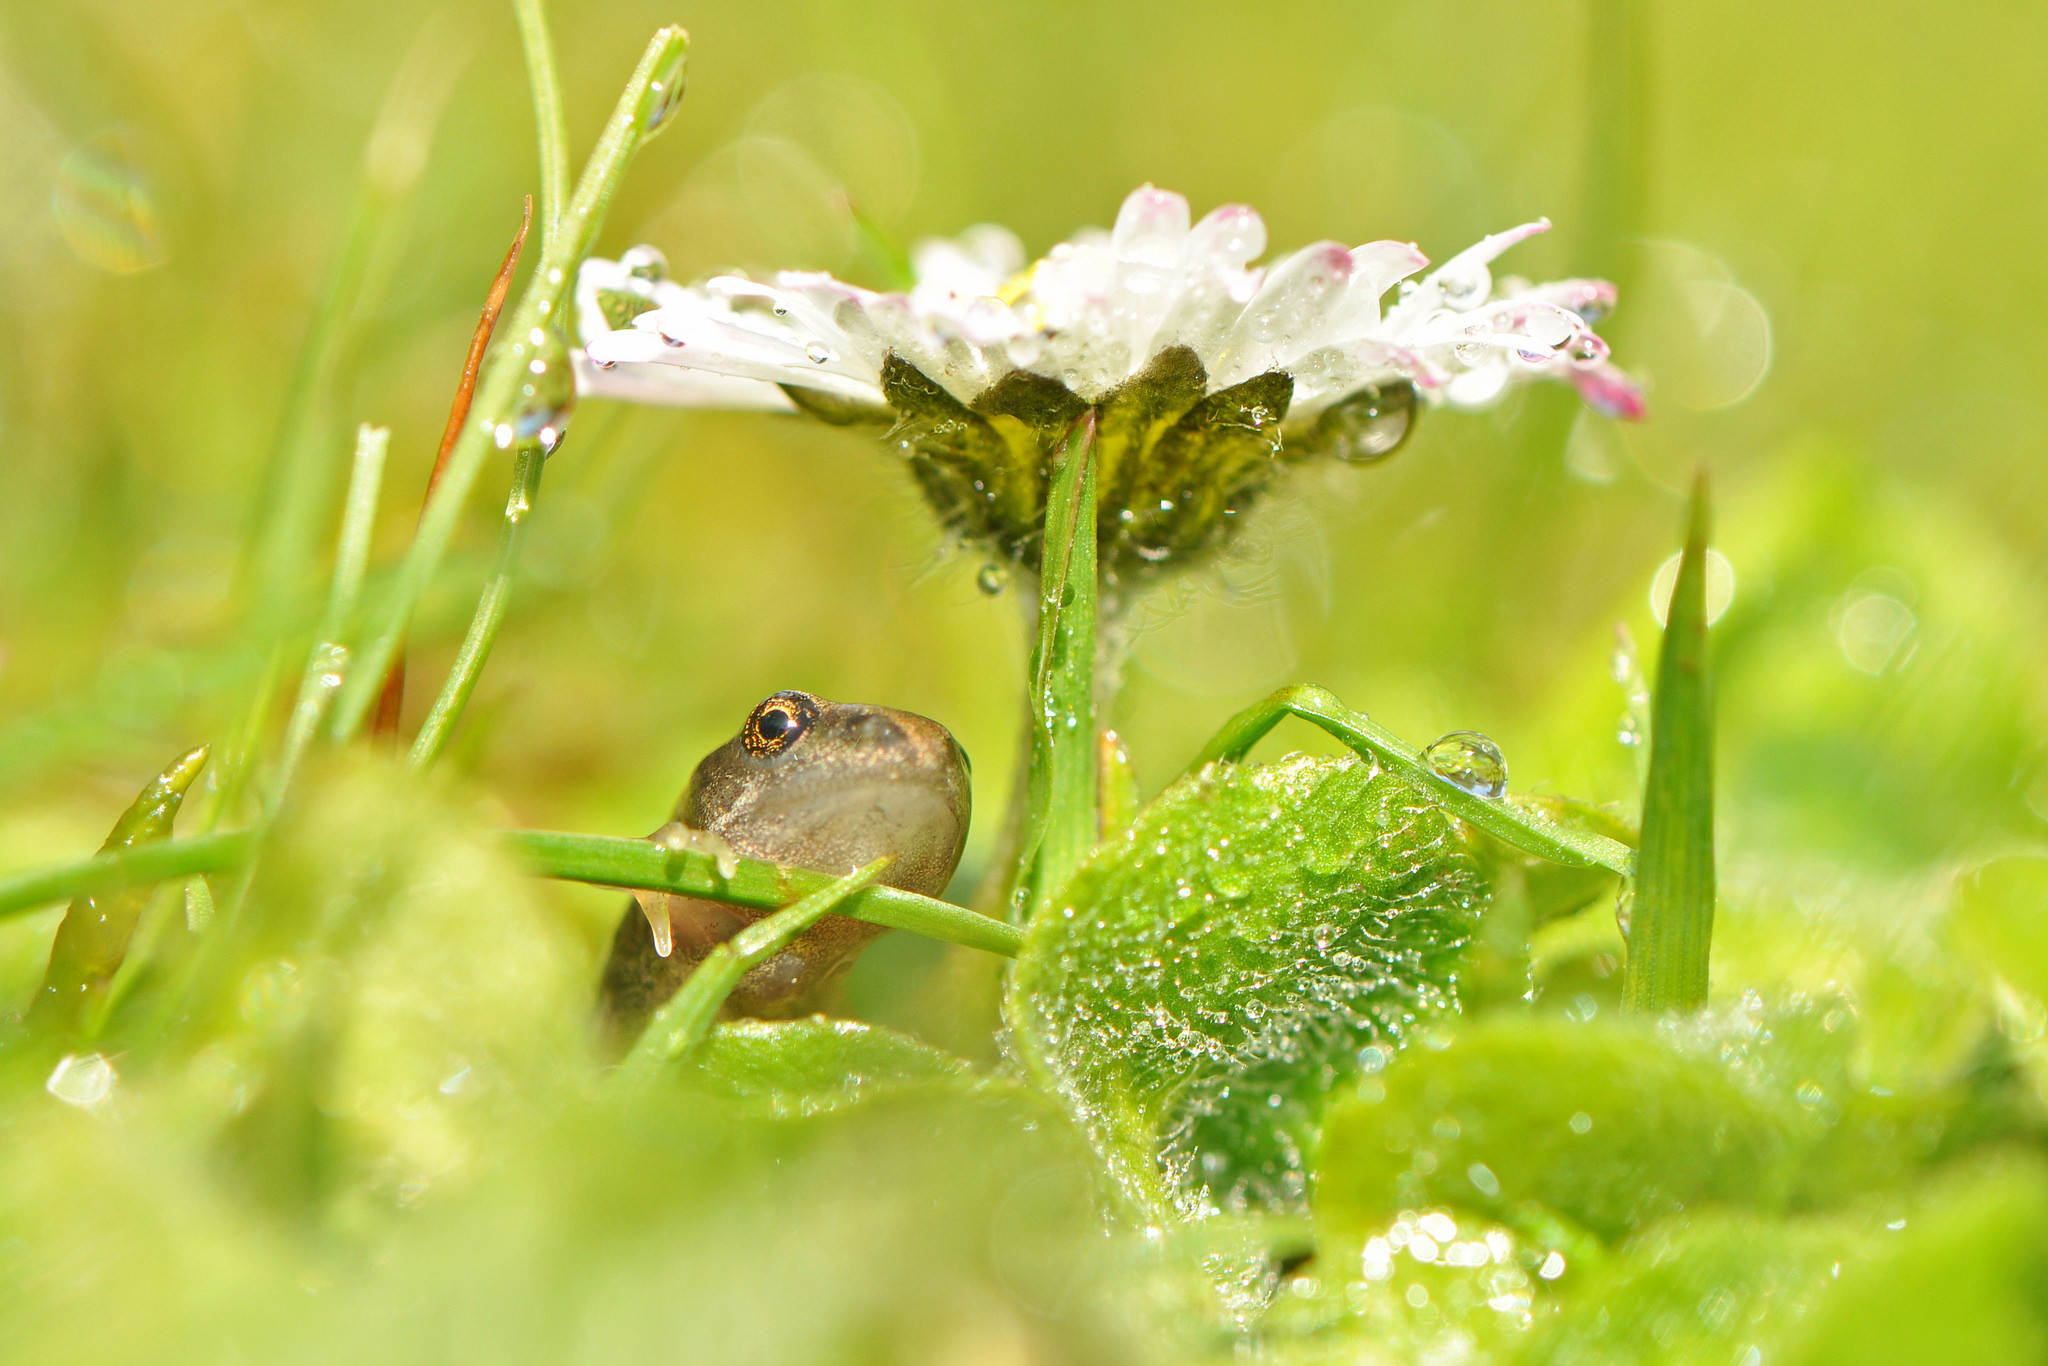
{"points": [[546, 297], [1062, 820], [551, 129], [489, 616], [1671, 926], [680, 1027]]}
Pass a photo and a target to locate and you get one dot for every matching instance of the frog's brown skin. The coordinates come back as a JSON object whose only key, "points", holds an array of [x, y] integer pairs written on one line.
{"points": [[824, 785]]}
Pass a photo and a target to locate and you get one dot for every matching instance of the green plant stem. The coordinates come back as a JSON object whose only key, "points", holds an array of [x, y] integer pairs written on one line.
{"points": [[1526, 830], [680, 1027], [488, 618], [117, 870], [326, 663], [1062, 821], [614, 862], [551, 128], [606, 860], [546, 298], [1671, 924]]}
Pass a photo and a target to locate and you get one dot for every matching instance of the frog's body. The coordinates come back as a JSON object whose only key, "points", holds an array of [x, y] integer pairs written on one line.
{"points": [[824, 785]]}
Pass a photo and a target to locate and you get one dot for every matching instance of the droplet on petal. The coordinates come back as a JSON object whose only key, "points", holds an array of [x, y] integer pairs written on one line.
{"points": [[1469, 760]]}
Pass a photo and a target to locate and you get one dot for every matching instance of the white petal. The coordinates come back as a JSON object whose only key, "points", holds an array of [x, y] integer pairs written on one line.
{"points": [[1151, 229], [1289, 315], [676, 387]]}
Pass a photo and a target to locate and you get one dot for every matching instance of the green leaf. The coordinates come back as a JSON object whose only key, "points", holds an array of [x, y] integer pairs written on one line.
{"points": [[1709, 1287], [794, 1068], [1672, 921], [1200, 984], [1608, 1125]]}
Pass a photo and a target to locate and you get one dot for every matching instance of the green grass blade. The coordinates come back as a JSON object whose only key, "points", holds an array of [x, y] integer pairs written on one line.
{"points": [[642, 108], [1672, 924], [118, 869], [1061, 825], [680, 1028], [490, 615], [612, 861], [1525, 828], [326, 664], [551, 125]]}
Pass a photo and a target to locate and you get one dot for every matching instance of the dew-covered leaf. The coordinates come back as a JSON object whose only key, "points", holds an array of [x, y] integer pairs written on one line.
{"points": [[1201, 984], [810, 1066]]}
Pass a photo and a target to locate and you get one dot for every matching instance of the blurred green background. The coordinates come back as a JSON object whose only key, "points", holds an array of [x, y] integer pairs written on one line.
{"points": [[1824, 218]]}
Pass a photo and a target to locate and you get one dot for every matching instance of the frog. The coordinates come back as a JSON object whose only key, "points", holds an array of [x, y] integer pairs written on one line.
{"points": [[828, 786]]}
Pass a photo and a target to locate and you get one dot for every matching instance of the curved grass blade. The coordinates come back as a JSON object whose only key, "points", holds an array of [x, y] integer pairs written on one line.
{"points": [[1524, 827], [680, 1028], [1671, 926]]}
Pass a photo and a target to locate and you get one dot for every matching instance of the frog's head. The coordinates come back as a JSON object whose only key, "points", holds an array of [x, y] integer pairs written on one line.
{"points": [[834, 785]]}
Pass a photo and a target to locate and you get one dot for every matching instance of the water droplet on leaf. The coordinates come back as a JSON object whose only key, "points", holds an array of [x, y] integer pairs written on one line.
{"points": [[1469, 760], [664, 92]]}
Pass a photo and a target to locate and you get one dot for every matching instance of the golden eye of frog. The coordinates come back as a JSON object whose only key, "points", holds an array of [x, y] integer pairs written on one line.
{"points": [[829, 786]]}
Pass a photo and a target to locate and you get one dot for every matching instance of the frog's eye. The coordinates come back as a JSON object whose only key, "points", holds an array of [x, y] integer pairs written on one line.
{"points": [[778, 723]]}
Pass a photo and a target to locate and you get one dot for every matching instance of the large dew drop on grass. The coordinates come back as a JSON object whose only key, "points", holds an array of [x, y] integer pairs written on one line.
{"points": [[1467, 759]]}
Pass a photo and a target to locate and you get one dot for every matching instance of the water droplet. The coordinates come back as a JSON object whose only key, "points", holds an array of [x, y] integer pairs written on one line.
{"points": [[547, 395], [993, 579], [818, 353], [1370, 425], [664, 92], [654, 905], [83, 1079], [645, 263], [106, 207], [1467, 759]]}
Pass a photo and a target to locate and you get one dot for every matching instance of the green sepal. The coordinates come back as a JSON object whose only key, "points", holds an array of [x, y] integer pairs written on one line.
{"points": [[1220, 454], [833, 410], [621, 306], [983, 486]]}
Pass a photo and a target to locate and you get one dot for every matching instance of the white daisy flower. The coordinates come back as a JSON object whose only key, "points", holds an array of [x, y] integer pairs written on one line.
{"points": [[1206, 372], [1093, 311]]}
